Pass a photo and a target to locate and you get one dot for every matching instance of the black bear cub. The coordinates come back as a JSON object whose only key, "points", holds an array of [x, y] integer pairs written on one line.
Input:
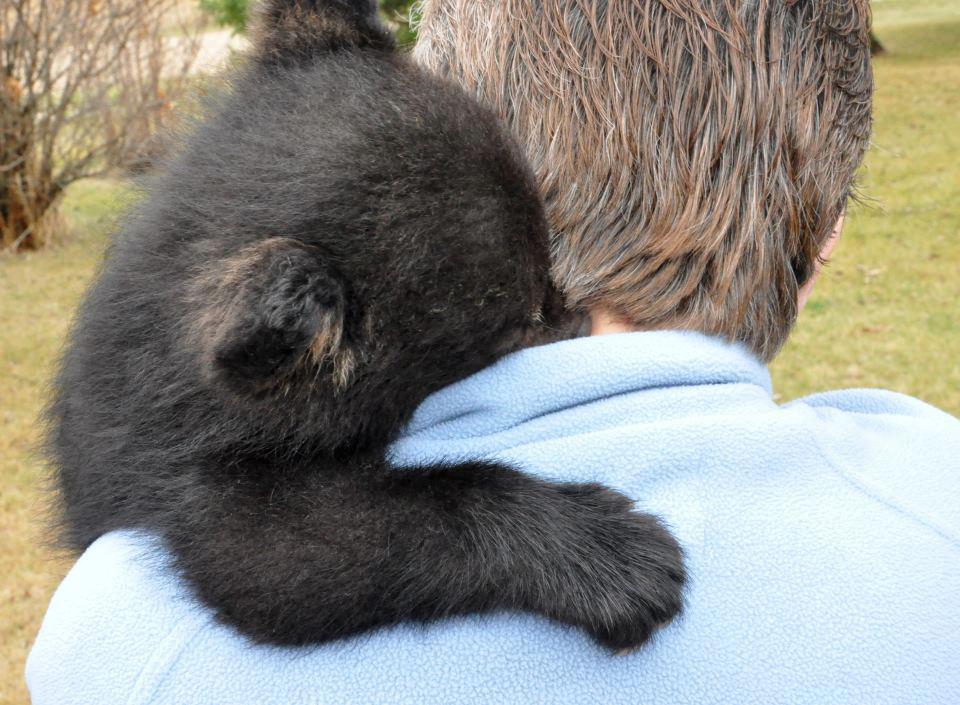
{"points": [[342, 235]]}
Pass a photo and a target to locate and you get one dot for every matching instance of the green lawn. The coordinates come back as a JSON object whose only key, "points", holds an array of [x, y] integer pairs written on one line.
{"points": [[38, 292], [885, 313]]}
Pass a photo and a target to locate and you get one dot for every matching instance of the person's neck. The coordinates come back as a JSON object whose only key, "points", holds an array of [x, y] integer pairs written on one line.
{"points": [[602, 322]]}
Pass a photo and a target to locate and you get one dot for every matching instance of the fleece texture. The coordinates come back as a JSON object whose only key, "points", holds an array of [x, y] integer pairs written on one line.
{"points": [[822, 538]]}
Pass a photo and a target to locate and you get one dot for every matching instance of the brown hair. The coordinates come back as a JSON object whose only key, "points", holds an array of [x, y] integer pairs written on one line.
{"points": [[693, 154]]}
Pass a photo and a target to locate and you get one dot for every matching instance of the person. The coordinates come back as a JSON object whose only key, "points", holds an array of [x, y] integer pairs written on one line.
{"points": [[696, 157]]}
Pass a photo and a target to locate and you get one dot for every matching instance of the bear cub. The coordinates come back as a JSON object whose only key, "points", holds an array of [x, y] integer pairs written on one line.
{"points": [[342, 235]]}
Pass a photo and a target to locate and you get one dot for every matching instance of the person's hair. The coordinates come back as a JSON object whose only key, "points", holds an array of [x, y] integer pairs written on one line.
{"points": [[694, 155]]}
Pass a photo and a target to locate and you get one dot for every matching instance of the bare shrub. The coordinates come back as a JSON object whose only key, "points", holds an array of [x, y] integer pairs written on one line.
{"points": [[84, 87]]}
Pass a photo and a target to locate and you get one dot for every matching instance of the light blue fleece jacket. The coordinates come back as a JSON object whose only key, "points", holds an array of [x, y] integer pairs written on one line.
{"points": [[822, 537]]}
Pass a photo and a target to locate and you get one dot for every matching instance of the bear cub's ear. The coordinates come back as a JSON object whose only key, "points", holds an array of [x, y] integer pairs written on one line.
{"points": [[267, 309]]}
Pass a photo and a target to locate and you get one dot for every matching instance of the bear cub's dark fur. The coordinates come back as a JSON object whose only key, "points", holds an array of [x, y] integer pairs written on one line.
{"points": [[341, 236]]}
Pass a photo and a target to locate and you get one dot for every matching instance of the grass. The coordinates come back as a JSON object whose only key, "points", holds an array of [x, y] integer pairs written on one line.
{"points": [[884, 314], [38, 292]]}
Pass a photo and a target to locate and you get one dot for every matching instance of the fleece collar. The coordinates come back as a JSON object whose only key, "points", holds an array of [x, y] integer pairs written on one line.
{"points": [[547, 379]]}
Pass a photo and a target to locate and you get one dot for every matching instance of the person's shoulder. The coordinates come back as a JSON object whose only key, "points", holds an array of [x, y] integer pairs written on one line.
{"points": [[113, 623], [876, 402], [902, 453]]}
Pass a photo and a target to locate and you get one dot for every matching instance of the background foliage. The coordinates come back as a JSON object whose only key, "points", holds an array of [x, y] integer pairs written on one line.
{"points": [[234, 14], [228, 13], [84, 89]]}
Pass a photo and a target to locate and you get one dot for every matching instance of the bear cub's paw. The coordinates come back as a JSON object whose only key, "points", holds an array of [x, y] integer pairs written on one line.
{"points": [[633, 576]]}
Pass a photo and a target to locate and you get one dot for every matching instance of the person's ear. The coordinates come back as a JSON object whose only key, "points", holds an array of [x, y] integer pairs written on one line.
{"points": [[825, 253], [267, 309]]}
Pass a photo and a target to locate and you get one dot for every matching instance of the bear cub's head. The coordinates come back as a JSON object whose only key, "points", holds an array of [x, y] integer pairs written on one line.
{"points": [[404, 247]]}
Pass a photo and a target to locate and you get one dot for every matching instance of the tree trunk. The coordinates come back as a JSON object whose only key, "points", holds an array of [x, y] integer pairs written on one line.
{"points": [[28, 211], [28, 198]]}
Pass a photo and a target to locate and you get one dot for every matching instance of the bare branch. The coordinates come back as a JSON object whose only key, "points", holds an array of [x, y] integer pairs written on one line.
{"points": [[84, 86]]}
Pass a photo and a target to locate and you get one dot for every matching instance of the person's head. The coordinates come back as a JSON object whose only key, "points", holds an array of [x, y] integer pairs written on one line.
{"points": [[694, 155]]}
